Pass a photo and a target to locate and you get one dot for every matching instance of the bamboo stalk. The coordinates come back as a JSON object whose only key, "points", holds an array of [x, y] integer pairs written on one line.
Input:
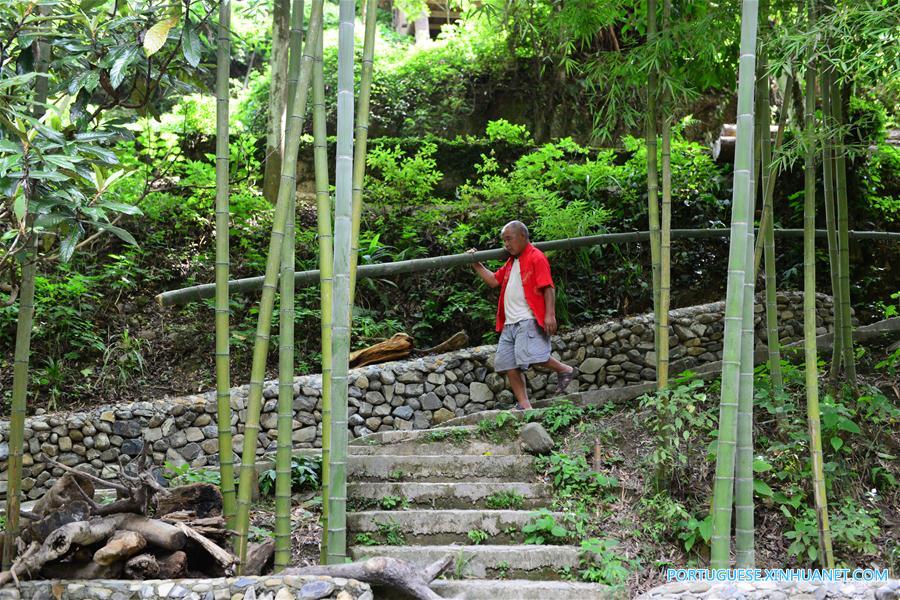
{"points": [[362, 136], [843, 240], [21, 357], [286, 192], [809, 317], [734, 301], [744, 552], [828, 188], [286, 334], [223, 265], [652, 175], [277, 99], [418, 265], [343, 226], [665, 242], [767, 227], [767, 218], [326, 273]]}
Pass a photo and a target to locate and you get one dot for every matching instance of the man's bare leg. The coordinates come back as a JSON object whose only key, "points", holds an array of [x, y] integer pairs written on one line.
{"points": [[557, 366], [517, 383]]}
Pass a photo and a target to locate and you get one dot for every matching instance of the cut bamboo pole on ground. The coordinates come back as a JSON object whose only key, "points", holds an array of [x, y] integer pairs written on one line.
{"points": [[310, 278]]}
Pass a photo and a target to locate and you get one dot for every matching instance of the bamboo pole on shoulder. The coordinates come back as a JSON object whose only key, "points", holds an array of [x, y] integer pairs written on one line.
{"points": [[418, 265], [286, 192], [652, 174], [362, 137], [337, 498], [223, 265], [826, 556], [723, 490], [326, 274]]}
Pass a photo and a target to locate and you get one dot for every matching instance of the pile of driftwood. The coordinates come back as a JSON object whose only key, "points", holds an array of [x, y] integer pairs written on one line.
{"points": [[68, 535]]}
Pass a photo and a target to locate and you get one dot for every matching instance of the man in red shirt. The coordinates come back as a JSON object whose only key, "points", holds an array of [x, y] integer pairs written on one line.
{"points": [[526, 312]]}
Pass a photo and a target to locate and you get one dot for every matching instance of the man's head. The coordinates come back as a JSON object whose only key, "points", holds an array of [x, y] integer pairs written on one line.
{"points": [[515, 237]]}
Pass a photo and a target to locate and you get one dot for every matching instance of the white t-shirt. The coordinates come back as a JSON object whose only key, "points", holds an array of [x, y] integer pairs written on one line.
{"points": [[515, 306]]}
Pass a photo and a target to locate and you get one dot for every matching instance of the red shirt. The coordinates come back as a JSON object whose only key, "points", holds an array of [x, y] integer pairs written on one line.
{"points": [[535, 269]]}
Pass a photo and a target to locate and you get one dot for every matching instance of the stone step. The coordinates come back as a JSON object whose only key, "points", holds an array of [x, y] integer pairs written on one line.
{"points": [[474, 419], [450, 495], [429, 527], [520, 589], [435, 442], [440, 468], [484, 562]]}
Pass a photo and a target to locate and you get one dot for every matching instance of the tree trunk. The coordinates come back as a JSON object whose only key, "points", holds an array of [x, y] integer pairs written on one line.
{"points": [[275, 134], [734, 301], [286, 193], [337, 499]]}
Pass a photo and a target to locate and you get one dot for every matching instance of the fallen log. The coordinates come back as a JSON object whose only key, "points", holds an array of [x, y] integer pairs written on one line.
{"points": [[172, 565], [225, 559], [156, 532], [399, 346], [258, 555], [400, 575], [58, 544], [141, 567], [457, 341], [81, 570], [120, 547], [202, 499]]}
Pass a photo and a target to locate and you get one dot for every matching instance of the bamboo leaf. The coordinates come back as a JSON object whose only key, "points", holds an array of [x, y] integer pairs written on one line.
{"points": [[157, 35]]}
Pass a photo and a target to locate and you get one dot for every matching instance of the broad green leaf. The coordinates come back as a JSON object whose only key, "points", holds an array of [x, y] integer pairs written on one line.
{"points": [[20, 206], [68, 244], [706, 526], [118, 232], [837, 443], [762, 488], [88, 80], [848, 425], [156, 36], [761, 466], [119, 207], [191, 46], [10, 147], [121, 64], [559, 531]]}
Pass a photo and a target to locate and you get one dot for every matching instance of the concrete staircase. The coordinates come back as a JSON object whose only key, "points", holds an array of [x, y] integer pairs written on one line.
{"points": [[439, 482]]}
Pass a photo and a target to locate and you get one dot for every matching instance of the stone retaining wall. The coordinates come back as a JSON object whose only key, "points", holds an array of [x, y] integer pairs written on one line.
{"points": [[273, 587], [413, 394]]}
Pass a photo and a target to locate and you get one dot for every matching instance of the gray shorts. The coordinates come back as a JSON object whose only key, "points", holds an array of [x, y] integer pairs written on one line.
{"points": [[521, 345]]}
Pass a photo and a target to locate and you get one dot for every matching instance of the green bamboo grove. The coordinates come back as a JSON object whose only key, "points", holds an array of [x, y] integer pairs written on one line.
{"points": [[286, 193]]}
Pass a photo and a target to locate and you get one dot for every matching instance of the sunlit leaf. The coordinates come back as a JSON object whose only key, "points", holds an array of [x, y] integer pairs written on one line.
{"points": [[157, 35]]}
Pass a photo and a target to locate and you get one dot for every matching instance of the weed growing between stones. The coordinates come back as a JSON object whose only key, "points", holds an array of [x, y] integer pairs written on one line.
{"points": [[477, 536], [507, 499]]}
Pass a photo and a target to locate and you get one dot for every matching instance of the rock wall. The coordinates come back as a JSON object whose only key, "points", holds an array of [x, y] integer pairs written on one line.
{"points": [[273, 587], [413, 394]]}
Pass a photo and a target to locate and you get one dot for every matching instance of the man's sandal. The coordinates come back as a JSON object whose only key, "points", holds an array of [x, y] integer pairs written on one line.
{"points": [[565, 379]]}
